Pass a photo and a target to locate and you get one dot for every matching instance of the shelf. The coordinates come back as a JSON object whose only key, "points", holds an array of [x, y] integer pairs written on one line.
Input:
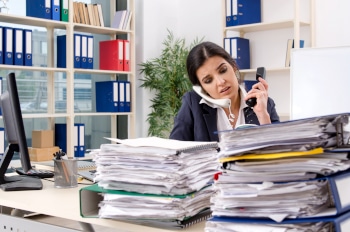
{"points": [[98, 30], [32, 21], [246, 71], [98, 71], [102, 113], [32, 68], [264, 26]]}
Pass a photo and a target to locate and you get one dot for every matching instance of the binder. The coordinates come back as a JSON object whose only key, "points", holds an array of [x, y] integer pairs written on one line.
{"points": [[1, 46], [0, 92], [8, 45], [56, 10], [121, 96], [90, 197], [61, 51], [64, 10], [240, 51], [241, 12], [39, 8], [107, 96], [78, 140], [77, 50], [90, 52], [126, 55], [290, 46], [27, 47], [18, 46], [340, 223], [2, 141], [127, 96], [111, 55], [84, 50]]}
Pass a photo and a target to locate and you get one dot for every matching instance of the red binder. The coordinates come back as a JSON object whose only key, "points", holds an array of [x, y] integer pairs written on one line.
{"points": [[126, 60], [111, 55]]}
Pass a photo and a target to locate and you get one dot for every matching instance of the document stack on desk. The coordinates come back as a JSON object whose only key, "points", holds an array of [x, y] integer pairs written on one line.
{"points": [[291, 176], [154, 181]]}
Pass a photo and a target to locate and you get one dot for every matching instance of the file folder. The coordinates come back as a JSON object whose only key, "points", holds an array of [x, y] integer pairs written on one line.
{"points": [[1, 46], [107, 96], [242, 12], [84, 51], [56, 10], [18, 46], [90, 52], [61, 51], [64, 10], [340, 223], [27, 47], [39, 8], [126, 55], [121, 96], [77, 51], [111, 55], [7, 45], [240, 51], [78, 138], [127, 96]]}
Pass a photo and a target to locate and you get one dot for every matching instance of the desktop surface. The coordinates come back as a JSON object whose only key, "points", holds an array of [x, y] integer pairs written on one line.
{"points": [[65, 203]]}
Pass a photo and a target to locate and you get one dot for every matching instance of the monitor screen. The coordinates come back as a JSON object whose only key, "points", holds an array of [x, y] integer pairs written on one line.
{"points": [[15, 134]]}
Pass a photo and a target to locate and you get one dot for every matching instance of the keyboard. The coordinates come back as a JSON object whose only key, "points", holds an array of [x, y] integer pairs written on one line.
{"points": [[36, 172]]}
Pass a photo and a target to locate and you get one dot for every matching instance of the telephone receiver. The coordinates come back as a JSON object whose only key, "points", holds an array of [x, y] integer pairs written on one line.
{"points": [[260, 72], [225, 103]]}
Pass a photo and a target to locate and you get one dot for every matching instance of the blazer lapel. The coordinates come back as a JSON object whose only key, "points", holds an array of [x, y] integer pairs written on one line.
{"points": [[210, 117]]}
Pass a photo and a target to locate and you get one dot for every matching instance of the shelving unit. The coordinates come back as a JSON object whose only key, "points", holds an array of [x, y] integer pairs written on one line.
{"points": [[70, 28], [253, 32]]}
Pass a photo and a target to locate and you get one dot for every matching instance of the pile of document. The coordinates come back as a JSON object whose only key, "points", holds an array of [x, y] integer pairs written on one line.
{"points": [[282, 172], [166, 180]]}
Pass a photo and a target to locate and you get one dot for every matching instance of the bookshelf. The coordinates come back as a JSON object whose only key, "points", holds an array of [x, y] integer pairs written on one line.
{"points": [[268, 43], [70, 115]]}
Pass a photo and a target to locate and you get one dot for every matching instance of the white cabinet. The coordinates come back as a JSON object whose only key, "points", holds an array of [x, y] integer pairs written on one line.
{"points": [[67, 77], [281, 20]]}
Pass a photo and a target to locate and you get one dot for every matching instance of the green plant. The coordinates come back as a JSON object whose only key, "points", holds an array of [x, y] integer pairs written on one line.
{"points": [[167, 77]]}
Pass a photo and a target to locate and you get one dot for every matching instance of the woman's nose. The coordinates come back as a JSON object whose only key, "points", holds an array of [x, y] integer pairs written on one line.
{"points": [[220, 80]]}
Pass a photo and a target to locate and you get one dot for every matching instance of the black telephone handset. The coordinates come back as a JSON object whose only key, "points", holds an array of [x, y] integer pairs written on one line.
{"points": [[260, 72]]}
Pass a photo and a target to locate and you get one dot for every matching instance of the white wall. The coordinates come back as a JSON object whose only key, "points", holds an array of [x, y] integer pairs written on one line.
{"points": [[203, 18]]}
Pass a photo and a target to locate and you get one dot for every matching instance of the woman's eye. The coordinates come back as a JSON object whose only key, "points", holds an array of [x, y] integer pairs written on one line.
{"points": [[207, 81], [223, 70]]}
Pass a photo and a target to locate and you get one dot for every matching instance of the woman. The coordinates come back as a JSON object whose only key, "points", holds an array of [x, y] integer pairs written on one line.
{"points": [[214, 71]]}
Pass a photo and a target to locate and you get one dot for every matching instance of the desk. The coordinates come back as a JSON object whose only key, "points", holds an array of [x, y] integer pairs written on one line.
{"points": [[64, 203]]}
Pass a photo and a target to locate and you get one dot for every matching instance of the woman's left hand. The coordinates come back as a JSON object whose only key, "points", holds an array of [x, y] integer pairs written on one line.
{"points": [[260, 92]]}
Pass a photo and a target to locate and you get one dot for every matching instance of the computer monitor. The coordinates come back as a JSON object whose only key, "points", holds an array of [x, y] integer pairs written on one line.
{"points": [[15, 134]]}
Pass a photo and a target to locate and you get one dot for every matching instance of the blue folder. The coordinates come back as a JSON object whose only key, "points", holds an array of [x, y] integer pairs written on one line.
{"points": [[84, 51], [18, 46], [27, 47], [78, 138], [61, 51], [121, 96], [340, 222], [241, 12], [39, 9], [77, 50], [90, 52], [127, 96], [8, 45], [240, 51], [56, 10], [107, 97]]}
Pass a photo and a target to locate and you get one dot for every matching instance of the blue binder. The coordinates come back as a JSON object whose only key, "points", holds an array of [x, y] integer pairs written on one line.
{"points": [[340, 222], [56, 10], [0, 91], [1, 46], [84, 51], [127, 96], [2, 142], [107, 97], [8, 45], [121, 96], [18, 46], [27, 47], [240, 51], [78, 138], [90, 52], [61, 51], [39, 8], [77, 50], [242, 12]]}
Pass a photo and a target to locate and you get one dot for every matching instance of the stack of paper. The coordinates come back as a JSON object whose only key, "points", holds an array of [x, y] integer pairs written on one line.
{"points": [[282, 171], [166, 180]]}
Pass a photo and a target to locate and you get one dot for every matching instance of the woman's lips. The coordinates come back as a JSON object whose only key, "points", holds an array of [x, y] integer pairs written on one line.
{"points": [[224, 90]]}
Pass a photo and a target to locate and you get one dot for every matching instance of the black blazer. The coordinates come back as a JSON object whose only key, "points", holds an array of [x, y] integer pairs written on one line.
{"points": [[198, 122]]}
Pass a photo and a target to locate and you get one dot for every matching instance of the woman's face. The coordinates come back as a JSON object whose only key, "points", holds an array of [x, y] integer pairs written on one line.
{"points": [[217, 77]]}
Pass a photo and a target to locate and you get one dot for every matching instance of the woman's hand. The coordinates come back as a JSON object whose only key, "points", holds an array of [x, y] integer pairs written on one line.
{"points": [[260, 92]]}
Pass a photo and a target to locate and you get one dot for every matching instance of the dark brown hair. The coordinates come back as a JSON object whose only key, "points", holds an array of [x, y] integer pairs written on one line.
{"points": [[200, 53]]}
